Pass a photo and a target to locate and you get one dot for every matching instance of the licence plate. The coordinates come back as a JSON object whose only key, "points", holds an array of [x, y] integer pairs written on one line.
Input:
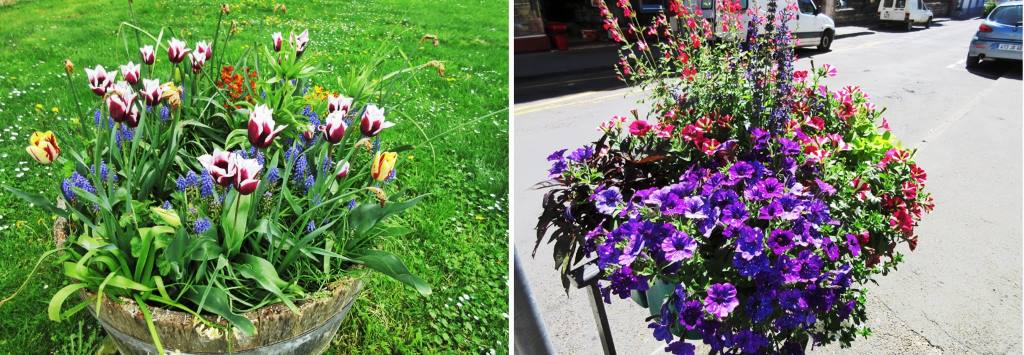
{"points": [[1008, 47]]}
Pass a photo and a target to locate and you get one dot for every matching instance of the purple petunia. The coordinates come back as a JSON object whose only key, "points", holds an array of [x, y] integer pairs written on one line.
{"points": [[750, 242], [607, 200], [681, 347], [678, 246], [582, 154], [766, 189], [693, 207], [741, 170], [721, 299], [770, 211], [781, 241], [691, 315], [853, 245]]}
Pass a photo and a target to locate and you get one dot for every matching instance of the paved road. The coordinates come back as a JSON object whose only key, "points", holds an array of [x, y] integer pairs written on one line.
{"points": [[959, 292]]}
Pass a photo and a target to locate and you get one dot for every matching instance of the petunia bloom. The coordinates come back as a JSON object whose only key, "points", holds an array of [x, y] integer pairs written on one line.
{"points": [[262, 128], [373, 121], [100, 80], [43, 147], [383, 165], [679, 246], [721, 299], [639, 127]]}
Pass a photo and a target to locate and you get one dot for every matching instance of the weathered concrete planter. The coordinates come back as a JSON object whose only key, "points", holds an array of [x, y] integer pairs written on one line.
{"points": [[278, 330]]}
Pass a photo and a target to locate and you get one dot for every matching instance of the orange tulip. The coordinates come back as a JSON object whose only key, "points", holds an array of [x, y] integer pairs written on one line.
{"points": [[43, 147]]}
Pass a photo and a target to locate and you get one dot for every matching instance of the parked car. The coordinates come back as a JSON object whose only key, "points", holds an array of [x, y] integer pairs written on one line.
{"points": [[999, 36], [810, 27], [905, 13]]}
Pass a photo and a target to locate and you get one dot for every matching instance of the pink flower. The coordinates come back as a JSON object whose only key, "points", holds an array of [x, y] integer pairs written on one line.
{"points": [[151, 91], [828, 70], [147, 54], [639, 127], [334, 129], [262, 128], [338, 102], [373, 121], [130, 72], [121, 104], [246, 175], [277, 41], [664, 130], [100, 80], [800, 75], [221, 166], [176, 50], [197, 60]]}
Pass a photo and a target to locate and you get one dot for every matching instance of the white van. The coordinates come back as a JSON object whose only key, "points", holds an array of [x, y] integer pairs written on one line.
{"points": [[810, 27], [905, 13]]}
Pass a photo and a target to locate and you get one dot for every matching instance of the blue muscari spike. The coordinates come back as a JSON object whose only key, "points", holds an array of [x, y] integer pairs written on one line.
{"points": [[166, 205], [65, 187], [181, 184], [149, 109], [328, 164], [352, 204], [309, 182], [376, 145], [165, 113], [206, 184], [307, 110], [300, 169], [96, 117], [260, 158], [201, 225], [273, 175], [263, 94], [310, 227]]}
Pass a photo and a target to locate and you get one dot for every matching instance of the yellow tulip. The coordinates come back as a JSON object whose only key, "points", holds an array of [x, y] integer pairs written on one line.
{"points": [[383, 165], [43, 147]]}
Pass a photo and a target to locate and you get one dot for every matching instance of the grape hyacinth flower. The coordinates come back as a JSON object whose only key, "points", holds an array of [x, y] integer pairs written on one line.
{"points": [[721, 299], [201, 225], [165, 113], [309, 183], [206, 184], [273, 175]]}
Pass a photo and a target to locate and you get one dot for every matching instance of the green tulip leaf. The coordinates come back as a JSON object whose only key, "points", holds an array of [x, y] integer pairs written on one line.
{"points": [[390, 265], [216, 301], [366, 215]]}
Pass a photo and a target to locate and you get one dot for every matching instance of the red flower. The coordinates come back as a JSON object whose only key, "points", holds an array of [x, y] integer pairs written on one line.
{"points": [[639, 127]]}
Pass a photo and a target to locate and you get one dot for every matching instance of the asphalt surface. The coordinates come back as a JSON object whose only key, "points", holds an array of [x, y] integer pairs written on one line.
{"points": [[958, 293]]}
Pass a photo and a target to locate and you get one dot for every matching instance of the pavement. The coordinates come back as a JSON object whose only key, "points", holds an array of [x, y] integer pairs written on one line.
{"points": [[958, 293]]}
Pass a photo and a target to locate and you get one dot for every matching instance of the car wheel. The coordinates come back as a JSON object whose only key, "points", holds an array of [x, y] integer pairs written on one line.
{"points": [[826, 41], [928, 24], [909, 25], [972, 61]]}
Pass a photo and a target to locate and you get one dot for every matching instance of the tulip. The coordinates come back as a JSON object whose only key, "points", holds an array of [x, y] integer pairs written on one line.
{"points": [[151, 91], [383, 165], [309, 133], [147, 54], [373, 121], [338, 102], [100, 80], [121, 104], [176, 51], [262, 128], [277, 41], [221, 166], [299, 42], [171, 93], [130, 72], [197, 59], [203, 48], [335, 128], [343, 169], [43, 147], [247, 175]]}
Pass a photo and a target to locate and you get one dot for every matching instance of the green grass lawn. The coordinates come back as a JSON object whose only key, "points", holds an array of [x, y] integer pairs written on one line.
{"points": [[460, 241]]}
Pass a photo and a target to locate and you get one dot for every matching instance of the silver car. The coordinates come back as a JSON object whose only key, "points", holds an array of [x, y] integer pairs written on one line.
{"points": [[999, 37]]}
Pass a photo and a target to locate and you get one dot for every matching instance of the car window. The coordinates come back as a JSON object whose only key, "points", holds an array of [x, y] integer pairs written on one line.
{"points": [[1006, 15], [888, 3], [806, 6], [901, 4]]}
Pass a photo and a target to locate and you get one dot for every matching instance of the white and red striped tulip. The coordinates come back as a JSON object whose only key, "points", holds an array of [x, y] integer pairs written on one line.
{"points": [[147, 54], [221, 166], [197, 59], [247, 175], [278, 39], [121, 104], [205, 49], [343, 169], [176, 50], [300, 42], [262, 128], [334, 129], [43, 147], [151, 91], [338, 102], [373, 121], [130, 72], [100, 80]]}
